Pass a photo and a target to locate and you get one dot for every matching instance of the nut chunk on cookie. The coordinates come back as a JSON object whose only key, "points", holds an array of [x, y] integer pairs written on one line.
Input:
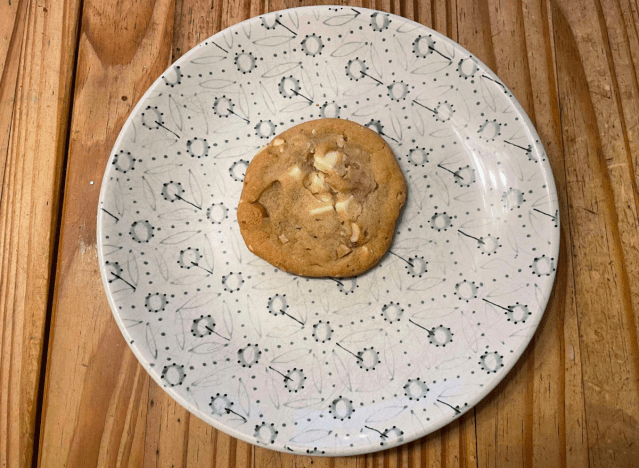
{"points": [[322, 199]]}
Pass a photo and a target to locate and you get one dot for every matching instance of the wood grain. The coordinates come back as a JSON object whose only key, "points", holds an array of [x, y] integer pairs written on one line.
{"points": [[571, 401], [37, 55]]}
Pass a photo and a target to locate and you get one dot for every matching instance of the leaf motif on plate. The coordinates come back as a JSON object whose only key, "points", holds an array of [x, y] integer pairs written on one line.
{"points": [[281, 69], [179, 237], [433, 66], [159, 144], [360, 89], [542, 225], [389, 357], [435, 313], [456, 391], [441, 188], [195, 189], [396, 124], [118, 198], [452, 363], [235, 152], [254, 316], [470, 334], [342, 372], [332, 81], [149, 196], [284, 331], [179, 214], [541, 299], [302, 403], [418, 120], [243, 397], [207, 250], [366, 111], [506, 289], [228, 37], [150, 341], [400, 53], [469, 196], [512, 240], [162, 169], [217, 84], [180, 333], [340, 20], [312, 435], [488, 89], [348, 48], [268, 100], [496, 263], [162, 266], [245, 109], [316, 374], [479, 222], [292, 15], [276, 282], [230, 128], [295, 106], [376, 62], [110, 249], [214, 378], [174, 111], [307, 84], [132, 268], [199, 300], [236, 246], [130, 323], [227, 319], [272, 390], [467, 245], [526, 332], [385, 414], [273, 41], [424, 284], [430, 96], [207, 348], [418, 426], [361, 336], [189, 279], [290, 356], [353, 308], [247, 28]]}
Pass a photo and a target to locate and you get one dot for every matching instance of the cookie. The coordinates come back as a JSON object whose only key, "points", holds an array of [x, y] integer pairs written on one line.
{"points": [[322, 199]]}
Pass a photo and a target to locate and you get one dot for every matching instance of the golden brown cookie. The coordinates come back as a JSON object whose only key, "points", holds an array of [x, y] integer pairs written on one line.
{"points": [[322, 199]]}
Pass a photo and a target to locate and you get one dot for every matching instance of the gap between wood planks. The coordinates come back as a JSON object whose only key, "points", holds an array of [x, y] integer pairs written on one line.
{"points": [[53, 277]]}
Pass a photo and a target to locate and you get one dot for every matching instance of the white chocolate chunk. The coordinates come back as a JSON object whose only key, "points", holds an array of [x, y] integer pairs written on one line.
{"points": [[295, 172], [325, 197], [365, 252], [283, 239], [340, 142], [343, 250], [322, 209], [317, 183], [278, 142], [327, 162], [347, 208], [356, 233]]}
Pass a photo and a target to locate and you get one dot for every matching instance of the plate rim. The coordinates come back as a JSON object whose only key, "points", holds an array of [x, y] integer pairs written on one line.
{"points": [[333, 451]]}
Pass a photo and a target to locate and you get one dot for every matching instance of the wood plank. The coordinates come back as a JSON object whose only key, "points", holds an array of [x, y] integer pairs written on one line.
{"points": [[600, 218], [37, 50], [94, 411]]}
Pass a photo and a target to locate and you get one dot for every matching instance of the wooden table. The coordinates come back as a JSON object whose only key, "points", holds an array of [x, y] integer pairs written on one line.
{"points": [[71, 392]]}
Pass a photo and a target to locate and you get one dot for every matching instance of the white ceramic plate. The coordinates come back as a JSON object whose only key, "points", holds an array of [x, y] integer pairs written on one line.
{"points": [[322, 366]]}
